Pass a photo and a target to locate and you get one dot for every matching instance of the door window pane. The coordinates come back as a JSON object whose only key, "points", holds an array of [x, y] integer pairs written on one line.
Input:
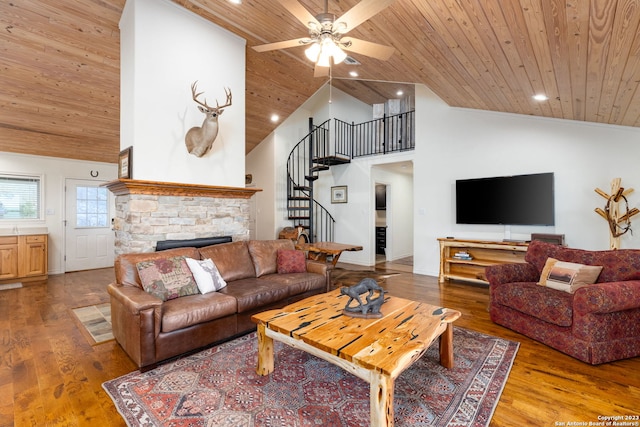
{"points": [[92, 208]]}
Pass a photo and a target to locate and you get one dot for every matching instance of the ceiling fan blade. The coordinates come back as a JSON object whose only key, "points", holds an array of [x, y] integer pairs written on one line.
{"points": [[360, 13], [280, 45], [320, 71], [363, 47], [299, 11]]}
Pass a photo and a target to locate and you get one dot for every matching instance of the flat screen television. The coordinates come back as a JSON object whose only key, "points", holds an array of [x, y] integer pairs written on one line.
{"points": [[508, 200]]}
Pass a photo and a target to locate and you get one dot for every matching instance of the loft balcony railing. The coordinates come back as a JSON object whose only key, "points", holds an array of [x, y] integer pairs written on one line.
{"points": [[380, 136]]}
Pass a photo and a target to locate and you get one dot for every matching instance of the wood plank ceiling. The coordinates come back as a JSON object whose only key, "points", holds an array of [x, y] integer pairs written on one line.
{"points": [[59, 64]]}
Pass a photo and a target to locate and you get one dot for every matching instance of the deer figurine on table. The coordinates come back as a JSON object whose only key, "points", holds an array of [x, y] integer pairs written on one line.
{"points": [[200, 139]]}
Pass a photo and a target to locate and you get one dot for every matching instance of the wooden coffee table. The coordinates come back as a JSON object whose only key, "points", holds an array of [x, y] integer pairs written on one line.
{"points": [[375, 350]]}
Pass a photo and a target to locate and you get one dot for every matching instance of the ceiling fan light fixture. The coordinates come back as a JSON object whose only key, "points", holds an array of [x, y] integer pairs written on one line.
{"points": [[338, 54], [312, 52], [324, 59]]}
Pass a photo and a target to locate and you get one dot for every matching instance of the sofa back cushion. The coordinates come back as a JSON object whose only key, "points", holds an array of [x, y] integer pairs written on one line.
{"points": [[232, 259], [125, 264], [538, 252], [264, 254], [617, 265]]}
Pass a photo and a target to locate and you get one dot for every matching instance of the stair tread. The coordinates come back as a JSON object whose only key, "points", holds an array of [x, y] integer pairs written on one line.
{"points": [[332, 160]]}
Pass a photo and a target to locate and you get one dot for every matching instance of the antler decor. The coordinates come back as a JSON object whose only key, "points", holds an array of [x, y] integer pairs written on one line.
{"points": [[618, 224]]}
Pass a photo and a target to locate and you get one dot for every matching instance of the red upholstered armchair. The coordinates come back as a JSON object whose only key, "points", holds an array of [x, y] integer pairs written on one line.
{"points": [[598, 323]]}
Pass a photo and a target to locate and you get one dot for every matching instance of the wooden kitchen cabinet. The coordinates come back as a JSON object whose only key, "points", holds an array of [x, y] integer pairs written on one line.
{"points": [[8, 257], [23, 258]]}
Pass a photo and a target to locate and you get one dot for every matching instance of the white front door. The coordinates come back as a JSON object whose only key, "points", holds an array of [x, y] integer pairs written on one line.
{"points": [[89, 238]]}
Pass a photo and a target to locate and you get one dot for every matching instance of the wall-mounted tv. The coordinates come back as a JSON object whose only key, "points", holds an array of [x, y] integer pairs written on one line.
{"points": [[508, 200]]}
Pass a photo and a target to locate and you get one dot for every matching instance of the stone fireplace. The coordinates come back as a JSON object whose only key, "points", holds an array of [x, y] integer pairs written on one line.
{"points": [[149, 211]]}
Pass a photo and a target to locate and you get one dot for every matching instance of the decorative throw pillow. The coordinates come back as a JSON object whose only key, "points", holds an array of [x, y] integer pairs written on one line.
{"points": [[207, 276], [568, 276], [291, 261], [167, 278]]}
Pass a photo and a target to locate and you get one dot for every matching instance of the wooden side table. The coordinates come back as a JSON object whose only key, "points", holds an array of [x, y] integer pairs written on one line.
{"points": [[319, 251]]}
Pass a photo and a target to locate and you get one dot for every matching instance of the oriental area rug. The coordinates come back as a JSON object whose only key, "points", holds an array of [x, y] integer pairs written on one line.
{"points": [[219, 387]]}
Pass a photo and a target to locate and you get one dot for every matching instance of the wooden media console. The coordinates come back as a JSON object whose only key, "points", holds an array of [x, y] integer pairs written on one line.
{"points": [[481, 254]]}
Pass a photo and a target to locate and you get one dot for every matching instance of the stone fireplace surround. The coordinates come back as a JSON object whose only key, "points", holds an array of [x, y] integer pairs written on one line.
{"points": [[150, 211]]}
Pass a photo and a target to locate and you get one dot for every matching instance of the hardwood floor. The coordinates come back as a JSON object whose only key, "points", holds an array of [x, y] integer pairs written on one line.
{"points": [[51, 376]]}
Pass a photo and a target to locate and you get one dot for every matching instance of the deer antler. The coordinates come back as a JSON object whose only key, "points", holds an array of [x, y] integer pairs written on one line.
{"points": [[228, 92], [196, 95]]}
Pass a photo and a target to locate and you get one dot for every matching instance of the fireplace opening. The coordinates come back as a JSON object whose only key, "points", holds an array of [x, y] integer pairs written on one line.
{"points": [[192, 243]]}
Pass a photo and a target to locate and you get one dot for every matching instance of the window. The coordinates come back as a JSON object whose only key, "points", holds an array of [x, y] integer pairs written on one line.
{"points": [[92, 209], [20, 197]]}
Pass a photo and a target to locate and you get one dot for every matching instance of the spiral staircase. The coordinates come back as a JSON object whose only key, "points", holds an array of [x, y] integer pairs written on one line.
{"points": [[318, 151]]}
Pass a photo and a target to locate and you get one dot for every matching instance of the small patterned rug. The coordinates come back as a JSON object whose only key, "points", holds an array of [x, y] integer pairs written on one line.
{"points": [[95, 322], [219, 387]]}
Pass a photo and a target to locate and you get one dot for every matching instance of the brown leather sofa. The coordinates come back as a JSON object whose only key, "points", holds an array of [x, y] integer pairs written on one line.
{"points": [[151, 330]]}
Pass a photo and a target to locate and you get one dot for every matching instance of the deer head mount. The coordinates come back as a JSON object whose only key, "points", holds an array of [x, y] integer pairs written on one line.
{"points": [[200, 139]]}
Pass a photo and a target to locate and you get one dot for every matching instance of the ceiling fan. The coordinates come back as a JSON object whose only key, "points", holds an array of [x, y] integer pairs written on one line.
{"points": [[326, 39]]}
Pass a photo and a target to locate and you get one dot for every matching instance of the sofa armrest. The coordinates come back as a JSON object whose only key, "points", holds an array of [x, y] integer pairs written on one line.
{"points": [[135, 317], [509, 273], [318, 267], [133, 299], [323, 268], [607, 297]]}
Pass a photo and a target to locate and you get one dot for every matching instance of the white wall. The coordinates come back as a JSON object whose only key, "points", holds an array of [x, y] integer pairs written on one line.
{"points": [[54, 171], [164, 49], [260, 164], [455, 143]]}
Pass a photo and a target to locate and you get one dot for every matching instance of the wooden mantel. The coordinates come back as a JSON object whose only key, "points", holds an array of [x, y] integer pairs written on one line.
{"points": [[122, 187]]}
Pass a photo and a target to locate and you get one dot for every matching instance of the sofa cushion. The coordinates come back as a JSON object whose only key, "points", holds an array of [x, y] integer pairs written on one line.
{"points": [[254, 293], [297, 283], [232, 259], [550, 305], [568, 276], [538, 252], [617, 266], [264, 254], [291, 261], [191, 310], [167, 278], [206, 274]]}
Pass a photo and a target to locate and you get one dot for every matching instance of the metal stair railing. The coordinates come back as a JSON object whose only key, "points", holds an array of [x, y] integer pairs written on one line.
{"points": [[380, 136], [304, 163]]}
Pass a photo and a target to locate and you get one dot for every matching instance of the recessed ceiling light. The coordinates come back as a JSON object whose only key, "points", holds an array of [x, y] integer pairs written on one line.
{"points": [[400, 93], [275, 118], [236, 1], [540, 97], [353, 73]]}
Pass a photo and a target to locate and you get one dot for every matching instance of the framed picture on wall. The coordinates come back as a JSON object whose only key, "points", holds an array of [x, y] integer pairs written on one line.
{"points": [[339, 194], [125, 165]]}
